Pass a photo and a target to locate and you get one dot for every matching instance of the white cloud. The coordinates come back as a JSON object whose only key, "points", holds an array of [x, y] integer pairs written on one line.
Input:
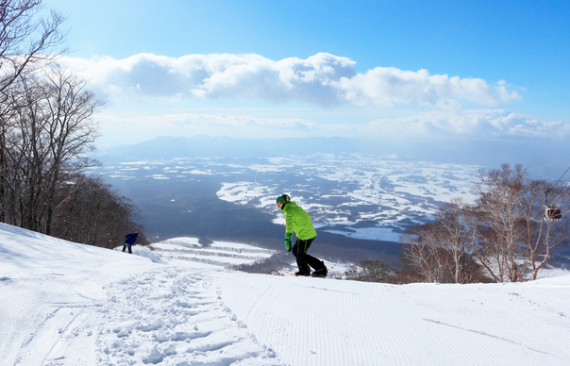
{"points": [[322, 79], [472, 123], [390, 86]]}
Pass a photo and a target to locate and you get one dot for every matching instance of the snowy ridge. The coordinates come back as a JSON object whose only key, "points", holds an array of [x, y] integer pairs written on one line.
{"points": [[70, 304]]}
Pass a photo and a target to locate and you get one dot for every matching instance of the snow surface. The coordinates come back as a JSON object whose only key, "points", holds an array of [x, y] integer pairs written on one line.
{"points": [[70, 304]]}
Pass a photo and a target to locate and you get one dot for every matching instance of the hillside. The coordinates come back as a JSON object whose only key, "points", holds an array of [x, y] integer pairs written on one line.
{"points": [[70, 304]]}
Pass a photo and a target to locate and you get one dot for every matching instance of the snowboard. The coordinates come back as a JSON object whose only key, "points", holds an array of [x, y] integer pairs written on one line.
{"points": [[288, 274], [292, 274]]}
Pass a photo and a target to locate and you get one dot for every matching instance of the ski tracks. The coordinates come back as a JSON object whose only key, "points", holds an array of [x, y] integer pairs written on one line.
{"points": [[176, 317]]}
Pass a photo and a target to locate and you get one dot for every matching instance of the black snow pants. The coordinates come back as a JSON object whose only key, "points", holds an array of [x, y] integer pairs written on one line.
{"points": [[303, 259]]}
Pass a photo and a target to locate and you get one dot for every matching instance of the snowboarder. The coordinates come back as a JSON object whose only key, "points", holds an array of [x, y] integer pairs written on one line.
{"points": [[299, 221], [130, 239]]}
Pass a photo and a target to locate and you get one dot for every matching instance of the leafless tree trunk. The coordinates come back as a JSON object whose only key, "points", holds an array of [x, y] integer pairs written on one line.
{"points": [[501, 203], [543, 231], [483, 244], [53, 129], [452, 223], [27, 149], [422, 252], [6, 120], [26, 43], [71, 131]]}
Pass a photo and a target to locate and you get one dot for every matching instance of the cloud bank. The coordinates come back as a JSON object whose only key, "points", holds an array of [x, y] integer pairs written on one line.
{"points": [[323, 80], [490, 123], [471, 123]]}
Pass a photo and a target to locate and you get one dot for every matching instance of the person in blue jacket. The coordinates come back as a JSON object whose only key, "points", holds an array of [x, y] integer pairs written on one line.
{"points": [[130, 239]]}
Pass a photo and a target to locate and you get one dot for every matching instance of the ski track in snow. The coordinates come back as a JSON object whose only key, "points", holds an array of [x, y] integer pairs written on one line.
{"points": [[178, 319], [166, 316]]}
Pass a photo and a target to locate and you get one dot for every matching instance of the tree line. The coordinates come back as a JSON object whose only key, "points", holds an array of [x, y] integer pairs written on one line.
{"points": [[507, 234], [46, 131]]}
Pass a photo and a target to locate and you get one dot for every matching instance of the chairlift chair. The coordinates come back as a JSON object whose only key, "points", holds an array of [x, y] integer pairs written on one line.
{"points": [[552, 214]]}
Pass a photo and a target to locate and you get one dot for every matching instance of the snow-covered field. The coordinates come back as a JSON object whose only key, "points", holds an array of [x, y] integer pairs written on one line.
{"points": [[69, 304], [359, 196], [364, 188]]}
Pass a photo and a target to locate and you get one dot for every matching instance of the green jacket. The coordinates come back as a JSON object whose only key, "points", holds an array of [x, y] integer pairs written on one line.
{"points": [[298, 221]]}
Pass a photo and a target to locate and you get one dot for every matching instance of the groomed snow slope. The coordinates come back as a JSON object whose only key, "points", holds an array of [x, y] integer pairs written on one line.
{"points": [[70, 304]]}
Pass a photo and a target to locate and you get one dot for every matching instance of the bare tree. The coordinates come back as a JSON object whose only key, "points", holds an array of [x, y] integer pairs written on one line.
{"points": [[26, 42], [422, 253], [546, 204], [25, 154], [439, 249], [501, 212], [51, 129], [453, 238], [45, 131], [25, 39], [512, 228], [70, 130], [481, 242], [7, 117]]}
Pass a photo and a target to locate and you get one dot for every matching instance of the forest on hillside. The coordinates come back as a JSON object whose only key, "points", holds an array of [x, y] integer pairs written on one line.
{"points": [[46, 129]]}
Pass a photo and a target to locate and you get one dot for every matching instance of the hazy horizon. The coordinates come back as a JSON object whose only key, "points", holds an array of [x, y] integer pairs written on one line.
{"points": [[547, 161]]}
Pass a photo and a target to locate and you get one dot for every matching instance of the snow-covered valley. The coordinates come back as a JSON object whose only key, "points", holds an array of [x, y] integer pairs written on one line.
{"points": [[353, 195], [70, 304]]}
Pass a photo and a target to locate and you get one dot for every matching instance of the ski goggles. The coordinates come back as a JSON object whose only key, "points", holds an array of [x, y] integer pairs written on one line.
{"points": [[282, 202]]}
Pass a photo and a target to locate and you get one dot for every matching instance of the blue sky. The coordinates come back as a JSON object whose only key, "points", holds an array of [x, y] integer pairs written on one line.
{"points": [[330, 68]]}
